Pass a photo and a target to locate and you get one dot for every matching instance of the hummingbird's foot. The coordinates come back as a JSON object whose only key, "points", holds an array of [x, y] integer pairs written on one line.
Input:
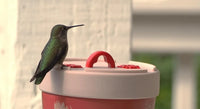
{"points": [[62, 66]]}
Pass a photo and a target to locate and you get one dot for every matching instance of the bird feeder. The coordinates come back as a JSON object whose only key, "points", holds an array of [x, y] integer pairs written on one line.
{"points": [[101, 84]]}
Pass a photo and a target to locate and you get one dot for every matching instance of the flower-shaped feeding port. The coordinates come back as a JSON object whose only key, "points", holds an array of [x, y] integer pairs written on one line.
{"points": [[73, 66], [129, 66]]}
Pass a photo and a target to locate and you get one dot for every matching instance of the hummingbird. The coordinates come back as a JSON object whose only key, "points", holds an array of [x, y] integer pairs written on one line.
{"points": [[54, 52]]}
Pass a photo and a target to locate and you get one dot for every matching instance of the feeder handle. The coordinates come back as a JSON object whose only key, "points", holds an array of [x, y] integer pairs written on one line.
{"points": [[94, 57]]}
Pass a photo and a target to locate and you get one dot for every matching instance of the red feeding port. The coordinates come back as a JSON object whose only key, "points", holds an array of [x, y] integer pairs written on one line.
{"points": [[129, 66], [73, 66]]}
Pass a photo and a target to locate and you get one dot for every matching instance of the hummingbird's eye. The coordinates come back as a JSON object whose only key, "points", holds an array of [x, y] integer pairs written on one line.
{"points": [[62, 29], [65, 28]]}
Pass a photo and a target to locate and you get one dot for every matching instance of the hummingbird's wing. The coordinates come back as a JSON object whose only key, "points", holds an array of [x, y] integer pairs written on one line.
{"points": [[53, 62], [50, 56]]}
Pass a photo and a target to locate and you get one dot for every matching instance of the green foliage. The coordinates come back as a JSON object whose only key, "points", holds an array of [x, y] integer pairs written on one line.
{"points": [[198, 82], [165, 64]]}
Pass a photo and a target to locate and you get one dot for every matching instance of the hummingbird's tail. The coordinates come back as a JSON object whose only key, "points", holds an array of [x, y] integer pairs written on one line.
{"points": [[39, 80], [33, 78]]}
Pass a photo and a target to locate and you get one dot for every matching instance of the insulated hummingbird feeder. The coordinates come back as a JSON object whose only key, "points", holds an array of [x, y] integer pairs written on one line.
{"points": [[101, 84]]}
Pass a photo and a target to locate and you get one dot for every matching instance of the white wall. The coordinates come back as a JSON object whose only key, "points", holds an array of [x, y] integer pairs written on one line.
{"points": [[8, 66], [25, 28]]}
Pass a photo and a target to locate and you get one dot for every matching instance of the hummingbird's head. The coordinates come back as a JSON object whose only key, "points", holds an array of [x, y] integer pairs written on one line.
{"points": [[61, 30]]}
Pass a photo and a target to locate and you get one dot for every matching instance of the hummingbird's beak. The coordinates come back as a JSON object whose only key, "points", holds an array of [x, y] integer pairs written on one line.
{"points": [[74, 26]]}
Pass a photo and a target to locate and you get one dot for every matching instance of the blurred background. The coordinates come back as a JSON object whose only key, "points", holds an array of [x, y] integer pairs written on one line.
{"points": [[161, 32]]}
